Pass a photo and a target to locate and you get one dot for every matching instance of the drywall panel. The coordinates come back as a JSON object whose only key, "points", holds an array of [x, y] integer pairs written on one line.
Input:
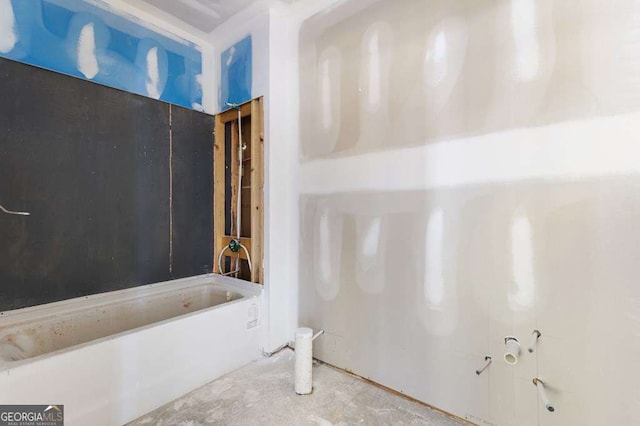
{"points": [[98, 43], [249, 30], [414, 288], [236, 73], [467, 172], [281, 164], [377, 76], [380, 269]]}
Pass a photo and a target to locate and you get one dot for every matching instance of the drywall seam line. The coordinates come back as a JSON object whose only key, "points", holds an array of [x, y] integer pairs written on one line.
{"points": [[585, 149], [170, 189]]}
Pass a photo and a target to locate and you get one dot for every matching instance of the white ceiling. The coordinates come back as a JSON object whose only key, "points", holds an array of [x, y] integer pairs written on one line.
{"points": [[205, 15]]}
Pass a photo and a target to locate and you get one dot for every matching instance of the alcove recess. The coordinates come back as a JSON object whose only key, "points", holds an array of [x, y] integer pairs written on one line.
{"points": [[226, 188]]}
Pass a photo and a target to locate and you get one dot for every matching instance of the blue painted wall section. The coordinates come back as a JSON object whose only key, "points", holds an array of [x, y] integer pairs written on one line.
{"points": [[80, 39], [236, 74]]}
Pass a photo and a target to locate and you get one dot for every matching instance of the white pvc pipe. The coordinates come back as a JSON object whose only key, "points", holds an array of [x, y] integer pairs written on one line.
{"points": [[512, 350], [240, 161], [534, 341], [543, 396], [237, 270], [304, 361]]}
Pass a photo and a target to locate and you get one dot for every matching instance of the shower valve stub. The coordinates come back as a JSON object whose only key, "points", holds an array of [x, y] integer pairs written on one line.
{"points": [[534, 340], [488, 361], [542, 393]]}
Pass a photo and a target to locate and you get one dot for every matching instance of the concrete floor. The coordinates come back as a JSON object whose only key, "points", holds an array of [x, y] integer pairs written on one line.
{"points": [[262, 394]]}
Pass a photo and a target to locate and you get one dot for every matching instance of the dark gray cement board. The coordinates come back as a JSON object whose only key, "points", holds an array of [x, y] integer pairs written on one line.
{"points": [[93, 166]]}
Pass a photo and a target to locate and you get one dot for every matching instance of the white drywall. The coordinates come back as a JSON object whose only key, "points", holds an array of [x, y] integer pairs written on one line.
{"points": [[468, 172], [281, 187]]}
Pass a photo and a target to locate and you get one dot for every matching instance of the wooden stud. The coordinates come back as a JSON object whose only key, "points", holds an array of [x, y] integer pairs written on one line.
{"points": [[257, 190], [218, 188], [232, 114]]}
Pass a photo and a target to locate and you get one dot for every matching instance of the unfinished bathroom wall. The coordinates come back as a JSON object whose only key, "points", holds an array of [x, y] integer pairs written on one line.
{"points": [[119, 188], [236, 73], [94, 41], [273, 34], [241, 57], [379, 76], [468, 172]]}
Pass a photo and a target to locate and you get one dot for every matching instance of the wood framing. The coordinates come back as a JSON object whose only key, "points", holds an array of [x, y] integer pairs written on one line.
{"points": [[219, 183], [257, 188], [226, 173], [232, 113]]}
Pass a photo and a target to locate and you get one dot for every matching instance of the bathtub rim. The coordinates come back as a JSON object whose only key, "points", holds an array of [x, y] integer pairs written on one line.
{"points": [[25, 315], [91, 300]]}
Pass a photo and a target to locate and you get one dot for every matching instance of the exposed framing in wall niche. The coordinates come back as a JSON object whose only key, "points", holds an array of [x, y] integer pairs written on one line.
{"points": [[226, 188]]}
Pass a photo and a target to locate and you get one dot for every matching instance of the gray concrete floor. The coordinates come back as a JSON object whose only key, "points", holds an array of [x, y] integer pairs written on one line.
{"points": [[262, 394]]}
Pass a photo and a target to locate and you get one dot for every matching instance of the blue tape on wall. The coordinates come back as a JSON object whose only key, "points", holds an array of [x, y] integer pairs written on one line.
{"points": [[80, 39], [236, 73]]}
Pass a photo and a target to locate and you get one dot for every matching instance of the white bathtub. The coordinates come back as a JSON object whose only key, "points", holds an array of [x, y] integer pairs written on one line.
{"points": [[112, 357]]}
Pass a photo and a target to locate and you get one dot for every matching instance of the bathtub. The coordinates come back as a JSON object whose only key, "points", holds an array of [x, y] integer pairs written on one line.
{"points": [[112, 357]]}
